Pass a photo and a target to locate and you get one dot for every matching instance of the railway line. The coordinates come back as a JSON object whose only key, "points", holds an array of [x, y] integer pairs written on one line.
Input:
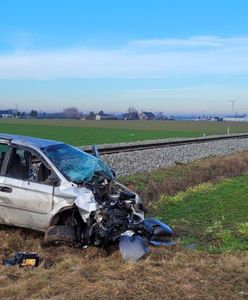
{"points": [[164, 144]]}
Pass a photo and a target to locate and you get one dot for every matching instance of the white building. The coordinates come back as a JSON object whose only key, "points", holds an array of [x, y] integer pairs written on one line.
{"points": [[6, 116], [236, 119]]}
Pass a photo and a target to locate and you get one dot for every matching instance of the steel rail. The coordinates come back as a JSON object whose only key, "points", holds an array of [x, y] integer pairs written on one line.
{"points": [[164, 144]]}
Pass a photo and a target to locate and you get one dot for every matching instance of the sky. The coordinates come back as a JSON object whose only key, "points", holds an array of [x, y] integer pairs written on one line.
{"points": [[177, 57]]}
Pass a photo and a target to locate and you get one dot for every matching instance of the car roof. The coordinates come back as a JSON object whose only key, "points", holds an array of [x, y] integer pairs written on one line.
{"points": [[28, 141]]}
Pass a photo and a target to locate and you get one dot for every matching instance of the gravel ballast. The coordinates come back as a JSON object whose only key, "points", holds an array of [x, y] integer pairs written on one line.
{"points": [[129, 163]]}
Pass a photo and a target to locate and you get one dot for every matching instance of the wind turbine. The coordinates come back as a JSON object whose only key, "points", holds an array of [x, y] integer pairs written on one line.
{"points": [[233, 101]]}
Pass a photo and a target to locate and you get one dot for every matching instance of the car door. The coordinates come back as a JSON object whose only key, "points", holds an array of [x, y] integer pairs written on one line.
{"points": [[4, 190], [25, 199]]}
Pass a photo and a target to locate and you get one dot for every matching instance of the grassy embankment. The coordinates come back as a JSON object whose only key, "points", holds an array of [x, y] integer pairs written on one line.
{"points": [[203, 208], [212, 217], [206, 202], [79, 132]]}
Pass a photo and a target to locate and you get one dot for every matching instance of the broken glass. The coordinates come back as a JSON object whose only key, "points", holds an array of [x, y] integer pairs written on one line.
{"points": [[76, 165]]}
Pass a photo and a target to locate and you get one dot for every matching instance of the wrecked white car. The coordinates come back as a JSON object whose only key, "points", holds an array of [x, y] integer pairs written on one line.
{"points": [[72, 196]]}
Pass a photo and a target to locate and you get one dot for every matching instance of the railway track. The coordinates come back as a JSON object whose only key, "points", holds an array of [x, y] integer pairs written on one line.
{"points": [[164, 144]]}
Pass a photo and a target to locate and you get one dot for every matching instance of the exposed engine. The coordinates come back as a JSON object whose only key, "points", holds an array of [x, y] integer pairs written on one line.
{"points": [[119, 210]]}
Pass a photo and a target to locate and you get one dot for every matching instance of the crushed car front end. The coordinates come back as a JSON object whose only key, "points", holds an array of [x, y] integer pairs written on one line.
{"points": [[106, 207], [106, 211]]}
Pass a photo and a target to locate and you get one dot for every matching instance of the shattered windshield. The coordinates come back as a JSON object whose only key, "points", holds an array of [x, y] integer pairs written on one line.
{"points": [[76, 165]]}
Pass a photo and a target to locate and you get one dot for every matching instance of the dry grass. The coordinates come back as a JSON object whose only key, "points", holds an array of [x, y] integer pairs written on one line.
{"points": [[179, 178], [92, 274]]}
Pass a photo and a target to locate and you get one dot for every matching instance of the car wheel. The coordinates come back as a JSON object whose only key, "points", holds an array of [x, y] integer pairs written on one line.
{"points": [[60, 235]]}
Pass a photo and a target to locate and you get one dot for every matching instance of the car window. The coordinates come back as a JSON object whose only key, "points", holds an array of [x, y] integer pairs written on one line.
{"points": [[27, 166], [76, 165], [17, 166], [3, 149], [23, 161]]}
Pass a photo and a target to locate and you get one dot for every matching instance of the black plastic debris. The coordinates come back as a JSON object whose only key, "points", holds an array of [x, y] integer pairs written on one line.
{"points": [[23, 259], [8, 262]]}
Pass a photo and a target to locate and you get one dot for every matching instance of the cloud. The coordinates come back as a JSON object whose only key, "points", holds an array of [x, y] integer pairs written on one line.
{"points": [[199, 41], [158, 58], [194, 41]]}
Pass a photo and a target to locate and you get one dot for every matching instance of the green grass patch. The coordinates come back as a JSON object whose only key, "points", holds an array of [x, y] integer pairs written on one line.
{"points": [[213, 217], [81, 132], [89, 135]]}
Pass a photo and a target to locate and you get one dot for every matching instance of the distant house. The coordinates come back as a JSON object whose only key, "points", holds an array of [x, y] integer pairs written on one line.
{"points": [[103, 116], [6, 114], [147, 116], [209, 118], [216, 119]]}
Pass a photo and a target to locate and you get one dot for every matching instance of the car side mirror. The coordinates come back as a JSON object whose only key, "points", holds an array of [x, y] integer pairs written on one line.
{"points": [[53, 180]]}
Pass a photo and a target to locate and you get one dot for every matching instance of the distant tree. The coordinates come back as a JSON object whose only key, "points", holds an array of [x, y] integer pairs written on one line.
{"points": [[71, 113], [91, 116], [101, 113], [131, 109], [33, 114], [132, 113]]}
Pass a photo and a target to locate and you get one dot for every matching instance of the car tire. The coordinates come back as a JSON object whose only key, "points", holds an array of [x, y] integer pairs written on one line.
{"points": [[60, 235]]}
